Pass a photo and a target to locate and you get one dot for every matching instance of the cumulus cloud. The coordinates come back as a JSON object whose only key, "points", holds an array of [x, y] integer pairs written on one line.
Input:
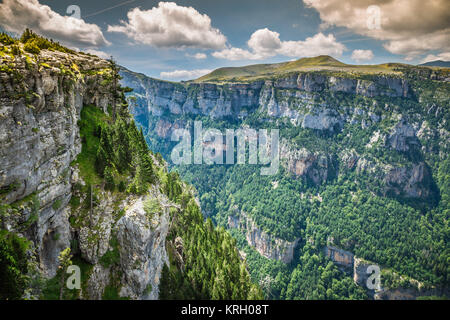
{"points": [[198, 56], [184, 74], [319, 44], [265, 43], [444, 56], [171, 26], [409, 27], [362, 55], [236, 54], [16, 15]]}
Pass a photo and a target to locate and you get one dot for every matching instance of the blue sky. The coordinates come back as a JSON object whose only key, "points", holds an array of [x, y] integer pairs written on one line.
{"points": [[183, 39]]}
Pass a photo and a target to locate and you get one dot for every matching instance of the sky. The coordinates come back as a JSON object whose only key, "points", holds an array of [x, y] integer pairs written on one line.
{"points": [[183, 40]]}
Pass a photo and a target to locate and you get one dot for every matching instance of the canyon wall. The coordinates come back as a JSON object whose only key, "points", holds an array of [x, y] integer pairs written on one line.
{"points": [[41, 97]]}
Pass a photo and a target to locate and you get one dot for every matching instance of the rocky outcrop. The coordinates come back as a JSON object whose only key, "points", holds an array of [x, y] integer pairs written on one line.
{"points": [[339, 256], [413, 181], [142, 249], [403, 137], [285, 96], [40, 103], [165, 128], [266, 244], [313, 166], [360, 274], [406, 289]]}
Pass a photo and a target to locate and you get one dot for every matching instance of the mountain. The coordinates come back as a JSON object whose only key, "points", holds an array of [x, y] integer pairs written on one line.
{"points": [[436, 63], [362, 179], [80, 187], [325, 63]]}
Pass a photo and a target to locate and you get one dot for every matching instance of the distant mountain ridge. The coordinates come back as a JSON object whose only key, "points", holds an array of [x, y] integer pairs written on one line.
{"points": [[319, 63], [436, 63]]}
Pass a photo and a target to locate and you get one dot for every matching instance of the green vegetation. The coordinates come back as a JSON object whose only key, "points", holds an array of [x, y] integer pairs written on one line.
{"points": [[33, 43], [112, 256], [207, 264], [52, 287], [152, 207], [13, 265], [99, 160], [320, 63]]}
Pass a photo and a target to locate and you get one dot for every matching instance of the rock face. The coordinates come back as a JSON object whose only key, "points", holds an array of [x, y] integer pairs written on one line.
{"points": [[410, 181], [298, 98], [314, 166], [403, 137], [40, 105], [267, 245], [142, 250], [360, 274], [281, 97], [339, 256], [40, 138]]}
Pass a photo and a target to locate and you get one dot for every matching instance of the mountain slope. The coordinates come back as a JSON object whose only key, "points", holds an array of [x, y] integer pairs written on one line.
{"points": [[437, 63], [325, 63]]}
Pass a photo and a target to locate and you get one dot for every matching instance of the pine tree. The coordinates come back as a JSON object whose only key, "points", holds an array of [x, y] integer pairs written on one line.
{"points": [[147, 172], [101, 161], [109, 179], [64, 263]]}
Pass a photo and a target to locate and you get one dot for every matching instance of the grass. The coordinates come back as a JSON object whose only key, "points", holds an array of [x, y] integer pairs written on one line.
{"points": [[91, 118], [319, 63], [111, 256]]}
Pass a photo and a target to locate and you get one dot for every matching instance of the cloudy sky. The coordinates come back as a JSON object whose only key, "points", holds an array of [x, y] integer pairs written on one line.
{"points": [[186, 39]]}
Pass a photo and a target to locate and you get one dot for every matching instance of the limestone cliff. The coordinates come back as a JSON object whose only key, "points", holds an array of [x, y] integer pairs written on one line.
{"points": [[307, 100], [41, 97], [267, 245]]}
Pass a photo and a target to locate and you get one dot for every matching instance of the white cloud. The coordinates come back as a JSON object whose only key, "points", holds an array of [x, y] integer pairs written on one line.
{"points": [[184, 74], [362, 55], [198, 56], [444, 56], [319, 44], [16, 15], [98, 53], [409, 27], [265, 43], [236, 54], [171, 26]]}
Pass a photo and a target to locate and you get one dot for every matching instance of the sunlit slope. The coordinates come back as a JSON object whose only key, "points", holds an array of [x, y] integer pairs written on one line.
{"points": [[257, 71]]}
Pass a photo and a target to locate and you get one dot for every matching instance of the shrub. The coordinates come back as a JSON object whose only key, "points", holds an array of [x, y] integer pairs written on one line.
{"points": [[122, 186], [13, 265], [6, 39], [31, 47], [57, 204]]}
